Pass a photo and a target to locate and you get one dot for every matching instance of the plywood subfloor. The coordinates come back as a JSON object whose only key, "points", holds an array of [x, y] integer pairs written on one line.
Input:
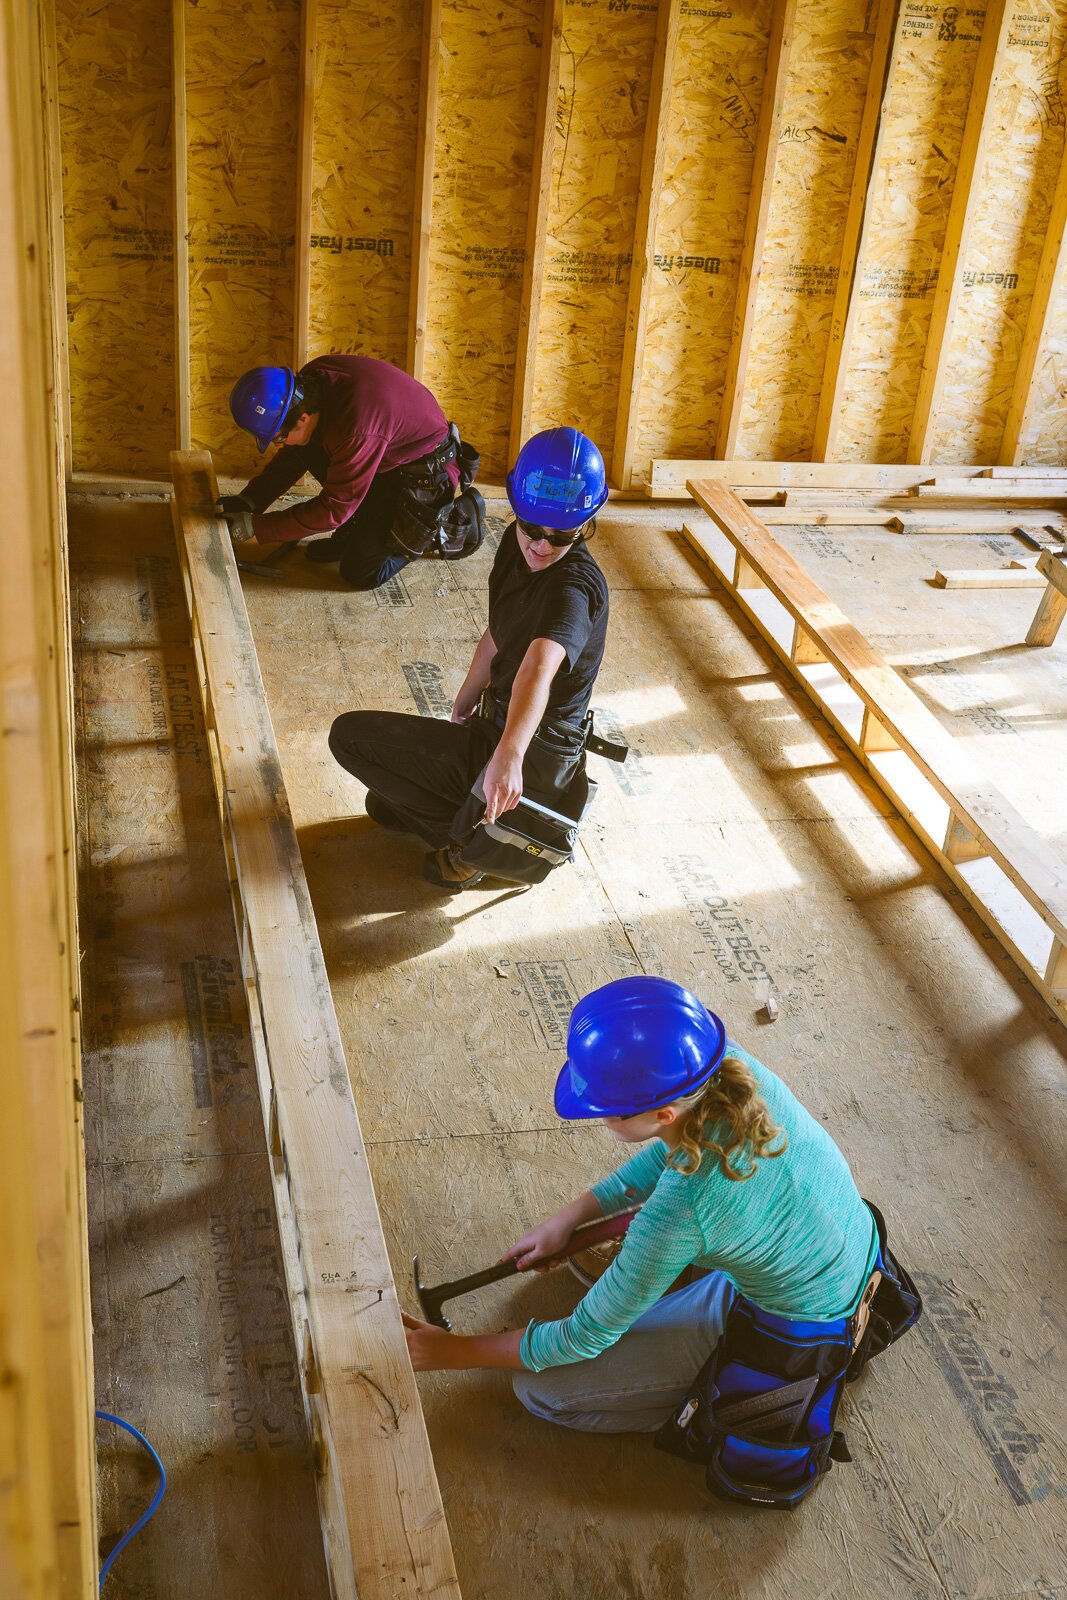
{"points": [[739, 850], [192, 1337]]}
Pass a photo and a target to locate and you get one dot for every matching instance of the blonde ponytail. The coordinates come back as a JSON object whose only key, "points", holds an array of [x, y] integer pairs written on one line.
{"points": [[731, 1120]]}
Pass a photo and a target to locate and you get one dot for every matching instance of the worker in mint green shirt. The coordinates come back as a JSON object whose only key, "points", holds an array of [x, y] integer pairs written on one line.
{"points": [[739, 1180]]}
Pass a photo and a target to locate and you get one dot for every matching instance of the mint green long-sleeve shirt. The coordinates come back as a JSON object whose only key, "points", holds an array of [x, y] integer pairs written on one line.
{"points": [[796, 1237]]}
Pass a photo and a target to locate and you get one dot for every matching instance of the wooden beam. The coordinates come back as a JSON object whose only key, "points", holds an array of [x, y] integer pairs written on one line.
{"points": [[962, 210], [383, 1523], [874, 736], [53, 150], [973, 519], [1052, 607], [1056, 972], [887, 30], [991, 490], [1015, 882], [783, 16], [47, 1484], [536, 226], [1050, 270], [669, 478], [429, 77], [305, 155], [803, 650], [960, 844], [648, 193], [989, 578], [183, 378], [790, 516]]}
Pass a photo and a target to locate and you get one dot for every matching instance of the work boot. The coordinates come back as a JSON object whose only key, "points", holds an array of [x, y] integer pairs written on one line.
{"points": [[448, 872], [323, 551], [381, 812]]}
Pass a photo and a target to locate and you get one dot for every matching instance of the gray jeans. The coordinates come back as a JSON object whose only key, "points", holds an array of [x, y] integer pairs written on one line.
{"points": [[642, 1379]]}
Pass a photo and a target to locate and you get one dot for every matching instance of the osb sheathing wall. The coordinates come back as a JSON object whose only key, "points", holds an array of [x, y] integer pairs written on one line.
{"points": [[238, 124]]}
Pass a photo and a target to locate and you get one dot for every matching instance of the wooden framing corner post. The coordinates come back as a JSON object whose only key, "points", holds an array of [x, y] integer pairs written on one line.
{"points": [[383, 1523]]}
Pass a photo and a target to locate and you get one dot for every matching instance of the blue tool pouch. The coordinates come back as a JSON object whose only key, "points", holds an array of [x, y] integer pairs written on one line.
{"points": [[760, 1415]]}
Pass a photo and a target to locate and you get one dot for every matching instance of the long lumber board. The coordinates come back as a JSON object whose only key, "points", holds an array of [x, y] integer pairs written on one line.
{"points": [[994, 491], [1007, 872], [668, 479], [383, 1523], [1016, 577]]}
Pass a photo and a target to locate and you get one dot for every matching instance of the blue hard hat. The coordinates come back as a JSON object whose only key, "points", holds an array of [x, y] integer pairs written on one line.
{"points": [[558, 481], [635, 1045], [259, 400]]}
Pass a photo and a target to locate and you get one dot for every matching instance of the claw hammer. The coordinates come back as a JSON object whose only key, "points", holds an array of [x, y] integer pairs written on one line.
{"points": [[431, 1300]]}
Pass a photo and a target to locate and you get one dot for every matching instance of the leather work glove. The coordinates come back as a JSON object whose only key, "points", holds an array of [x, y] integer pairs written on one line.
{"points": [[238, 513]]}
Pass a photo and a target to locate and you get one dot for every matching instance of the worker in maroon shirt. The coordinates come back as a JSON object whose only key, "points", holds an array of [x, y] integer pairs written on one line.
{"points": [[387, 458]]}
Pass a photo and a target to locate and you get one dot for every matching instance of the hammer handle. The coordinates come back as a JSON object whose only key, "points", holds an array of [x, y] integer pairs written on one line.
{"points": [[588, 1234]]}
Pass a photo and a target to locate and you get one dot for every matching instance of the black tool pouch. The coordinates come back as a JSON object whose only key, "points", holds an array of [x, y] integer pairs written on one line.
{"points": [[416, 525], [427, 521], [462, 526], [527, 842], [536, 836]]}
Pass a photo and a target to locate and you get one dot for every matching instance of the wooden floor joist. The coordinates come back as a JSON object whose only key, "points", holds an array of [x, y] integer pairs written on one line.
{"points": [[1013, 880], [383, 1523]]}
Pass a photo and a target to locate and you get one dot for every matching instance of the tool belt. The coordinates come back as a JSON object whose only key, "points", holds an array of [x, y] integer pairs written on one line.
{"points": [[760, 1415], [582, 736], [428, 520], [539, 834]]}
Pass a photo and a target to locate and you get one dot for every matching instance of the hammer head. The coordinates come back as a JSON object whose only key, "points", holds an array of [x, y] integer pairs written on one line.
{"points": [[429, 1302]]}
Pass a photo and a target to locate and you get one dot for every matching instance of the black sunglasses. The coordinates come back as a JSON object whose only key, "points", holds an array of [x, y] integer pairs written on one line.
{"points": [[558, 541]]}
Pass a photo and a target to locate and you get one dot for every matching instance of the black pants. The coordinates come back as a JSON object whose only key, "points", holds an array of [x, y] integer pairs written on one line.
{"points": [[369, 557], [423, 768]]}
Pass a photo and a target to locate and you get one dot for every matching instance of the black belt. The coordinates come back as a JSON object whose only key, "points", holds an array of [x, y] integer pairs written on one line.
{"points": [[427, 467], [495, 710]]}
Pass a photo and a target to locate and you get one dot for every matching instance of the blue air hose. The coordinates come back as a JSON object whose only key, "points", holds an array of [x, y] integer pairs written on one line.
{"points": [[106, 1416]]}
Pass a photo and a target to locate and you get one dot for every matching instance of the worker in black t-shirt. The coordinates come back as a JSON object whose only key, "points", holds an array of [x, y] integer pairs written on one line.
{"points": [[519, 713]]}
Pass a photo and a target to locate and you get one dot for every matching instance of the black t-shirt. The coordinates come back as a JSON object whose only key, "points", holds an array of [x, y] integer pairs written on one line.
{"points": [[567, 602]]}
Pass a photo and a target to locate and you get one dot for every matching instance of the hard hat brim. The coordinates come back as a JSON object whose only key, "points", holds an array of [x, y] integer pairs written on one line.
{"points": [[577, 1105]]}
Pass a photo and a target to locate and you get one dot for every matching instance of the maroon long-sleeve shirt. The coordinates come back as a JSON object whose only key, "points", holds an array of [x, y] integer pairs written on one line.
{"points": [[373, 418]]}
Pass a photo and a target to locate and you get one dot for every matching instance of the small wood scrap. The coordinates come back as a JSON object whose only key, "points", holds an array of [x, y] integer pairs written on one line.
{"points": [[1052, 607]]}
